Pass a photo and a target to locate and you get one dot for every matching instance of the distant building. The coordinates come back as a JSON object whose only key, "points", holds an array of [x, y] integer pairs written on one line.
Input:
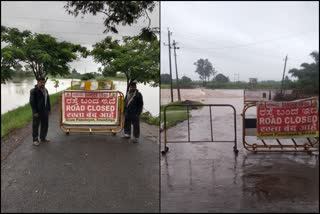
{"points": [[253, 82]]}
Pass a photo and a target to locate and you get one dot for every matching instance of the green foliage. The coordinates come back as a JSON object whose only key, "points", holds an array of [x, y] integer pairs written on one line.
{"points": [[165, 78], [220, 78], [137, 59], [204, 69], [56, 83], [74, 71], [185, 82], [177, 114], [42, 53], [308, 76], [149, 119], [179, 108], [117, 12], [87, 76], [175, 117]]}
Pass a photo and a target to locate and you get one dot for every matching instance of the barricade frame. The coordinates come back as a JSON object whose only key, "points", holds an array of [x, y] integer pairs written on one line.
{"points": [[83, 128], [166, 148], [308, 147]]}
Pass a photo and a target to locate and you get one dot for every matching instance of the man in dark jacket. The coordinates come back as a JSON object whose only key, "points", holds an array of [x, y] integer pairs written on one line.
{"points": [[40, 104], [133, 105]]}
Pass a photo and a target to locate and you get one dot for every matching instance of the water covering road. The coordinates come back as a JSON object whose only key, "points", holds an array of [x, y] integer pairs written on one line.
{"points": [[209, 177]]}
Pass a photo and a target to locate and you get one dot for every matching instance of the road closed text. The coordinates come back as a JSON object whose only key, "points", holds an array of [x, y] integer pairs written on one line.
{"points": [[90, 107], [298, 118]]}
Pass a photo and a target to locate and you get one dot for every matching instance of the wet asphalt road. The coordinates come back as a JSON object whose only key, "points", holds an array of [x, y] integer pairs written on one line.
{"points": [[209, 177], [81, 173]]}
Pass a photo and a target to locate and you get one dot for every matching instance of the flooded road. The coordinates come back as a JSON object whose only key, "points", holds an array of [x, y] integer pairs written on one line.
{"points": [[209, 177]]}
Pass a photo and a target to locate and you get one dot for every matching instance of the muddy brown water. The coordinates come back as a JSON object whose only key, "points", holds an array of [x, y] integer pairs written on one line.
{"points": [[209, 177]]}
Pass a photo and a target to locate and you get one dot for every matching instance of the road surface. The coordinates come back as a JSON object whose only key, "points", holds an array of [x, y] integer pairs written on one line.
{"points": [[82, 173]]}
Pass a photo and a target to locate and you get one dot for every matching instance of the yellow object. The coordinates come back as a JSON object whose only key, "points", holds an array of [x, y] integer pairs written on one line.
{"points": [[87, 85]]}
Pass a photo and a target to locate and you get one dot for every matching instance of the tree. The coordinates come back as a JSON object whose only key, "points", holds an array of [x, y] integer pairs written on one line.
{"points": [[8, 61], [204, 69], [137, 59], [308, 75], [74, 71], [87, 76], [165, 78], [117, 12], [56, 84], [185, 80], [221, 78], [41, 53]]}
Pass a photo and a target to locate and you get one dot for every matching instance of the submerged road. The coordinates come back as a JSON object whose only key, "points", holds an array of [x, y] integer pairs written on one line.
{"points": [[82, 173], [209, 177]]}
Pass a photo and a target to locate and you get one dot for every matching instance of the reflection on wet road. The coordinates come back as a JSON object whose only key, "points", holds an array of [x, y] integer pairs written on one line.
{"points": [[209, 177]]}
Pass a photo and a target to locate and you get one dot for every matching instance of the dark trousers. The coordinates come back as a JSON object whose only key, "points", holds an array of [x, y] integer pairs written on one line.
{"points": [[43, 121], [135, 121]]}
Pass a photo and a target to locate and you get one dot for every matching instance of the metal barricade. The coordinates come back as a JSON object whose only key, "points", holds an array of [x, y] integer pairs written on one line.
{"points": [[275, 145], [166, 148], [99, 125]]}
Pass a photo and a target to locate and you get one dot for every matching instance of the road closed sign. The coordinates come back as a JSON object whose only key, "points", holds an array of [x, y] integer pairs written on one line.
{"points": [[90, 107], [291, 119]]}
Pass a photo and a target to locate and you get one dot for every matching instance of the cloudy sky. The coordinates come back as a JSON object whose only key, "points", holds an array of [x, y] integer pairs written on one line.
{"points": [[246, 38], [50, 17]]}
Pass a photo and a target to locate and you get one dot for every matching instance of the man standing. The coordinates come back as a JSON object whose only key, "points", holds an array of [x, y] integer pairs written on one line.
{"points": [[133, 105], [40, 104]]}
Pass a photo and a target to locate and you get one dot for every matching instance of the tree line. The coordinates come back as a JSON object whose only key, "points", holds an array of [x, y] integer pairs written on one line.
{"points": [[307, 78], [137, 57]]}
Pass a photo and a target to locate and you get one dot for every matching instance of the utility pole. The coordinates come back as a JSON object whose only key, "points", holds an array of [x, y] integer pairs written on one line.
{"points": [[175, 58], [284, 70], [169, 46]]}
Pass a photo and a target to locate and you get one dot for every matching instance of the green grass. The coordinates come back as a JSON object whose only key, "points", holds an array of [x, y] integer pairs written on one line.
{"points": [[174, 117], [149, 119], [178, 108], [228, 85], [176, 114], [20, 117]]}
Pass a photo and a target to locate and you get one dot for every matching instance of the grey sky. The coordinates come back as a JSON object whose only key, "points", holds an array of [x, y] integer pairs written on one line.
{"points": [[50, 17], [249, 38]]}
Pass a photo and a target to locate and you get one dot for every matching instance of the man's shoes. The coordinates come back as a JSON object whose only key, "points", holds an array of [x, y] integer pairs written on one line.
{"points": [[135, 140], [126, 136], [45, 141], [36, 143]]}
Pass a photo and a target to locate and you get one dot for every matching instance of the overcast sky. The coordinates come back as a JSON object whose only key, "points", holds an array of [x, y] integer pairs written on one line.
{"points": [[50, 17], [246, 38]]}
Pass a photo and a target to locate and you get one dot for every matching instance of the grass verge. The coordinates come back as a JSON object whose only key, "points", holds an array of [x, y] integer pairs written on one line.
{"points": [[21, 116], [149, 119], [177, 114]]}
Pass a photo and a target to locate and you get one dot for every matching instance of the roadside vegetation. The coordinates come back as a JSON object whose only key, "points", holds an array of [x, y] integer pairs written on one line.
{"points": [[176, 114], [147, 117], [21, 116], [229, 85], [304, 80]]}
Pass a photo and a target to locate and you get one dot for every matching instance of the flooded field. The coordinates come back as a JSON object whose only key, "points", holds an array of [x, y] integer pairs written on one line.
{"points": [[210, 177], [14, 95]]}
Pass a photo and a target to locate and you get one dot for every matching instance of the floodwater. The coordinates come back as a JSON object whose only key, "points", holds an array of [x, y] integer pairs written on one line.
{"points": [[14, 95], [210, 177]]}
